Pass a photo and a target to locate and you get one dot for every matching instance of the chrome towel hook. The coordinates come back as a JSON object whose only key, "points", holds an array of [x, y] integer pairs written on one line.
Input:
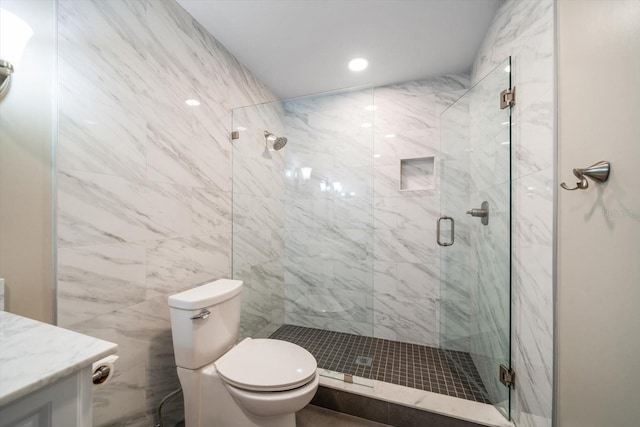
{"points": [[598, 172]]}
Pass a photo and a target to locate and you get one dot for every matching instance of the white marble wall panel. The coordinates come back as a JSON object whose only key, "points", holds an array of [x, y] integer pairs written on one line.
{"points": [[182, 158], [329, 217], [211, 211], [328, 242], [524, 30], [399, 245], [98, 136], [385, 277], [144, 187], [337, 304], [534, 135], [533, 302], [177, 264], [407, 319], [100, 209], [94, 280], [455, 186], [407, 258], [489, 332]]}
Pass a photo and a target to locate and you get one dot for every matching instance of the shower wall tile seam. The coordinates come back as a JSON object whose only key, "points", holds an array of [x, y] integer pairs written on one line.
{"points": [[548, 171]]}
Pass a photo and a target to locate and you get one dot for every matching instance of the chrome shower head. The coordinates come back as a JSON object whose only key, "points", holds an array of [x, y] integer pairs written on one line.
{"points": [[280, 142], [277, 141]]}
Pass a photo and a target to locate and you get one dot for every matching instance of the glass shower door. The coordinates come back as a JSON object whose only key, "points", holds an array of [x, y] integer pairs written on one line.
{"points": [[303, 226], [475, 235]]}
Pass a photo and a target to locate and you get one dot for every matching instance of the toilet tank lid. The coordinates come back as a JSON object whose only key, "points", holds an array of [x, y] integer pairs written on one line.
{"points": [[206, 295]]}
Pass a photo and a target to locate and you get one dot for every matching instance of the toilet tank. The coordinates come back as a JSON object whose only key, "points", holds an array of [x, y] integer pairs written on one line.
{"points": [[200, 338]]}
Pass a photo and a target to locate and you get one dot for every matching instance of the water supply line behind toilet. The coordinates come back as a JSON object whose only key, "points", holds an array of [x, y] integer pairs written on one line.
{"points": [[163, 401]]}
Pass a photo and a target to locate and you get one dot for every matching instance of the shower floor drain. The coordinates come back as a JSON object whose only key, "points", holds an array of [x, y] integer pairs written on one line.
{"points": [[364, 361]]}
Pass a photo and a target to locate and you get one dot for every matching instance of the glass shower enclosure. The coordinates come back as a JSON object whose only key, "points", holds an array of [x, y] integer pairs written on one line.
{"points": [[303, 227], [475, 234], [303, 217]]}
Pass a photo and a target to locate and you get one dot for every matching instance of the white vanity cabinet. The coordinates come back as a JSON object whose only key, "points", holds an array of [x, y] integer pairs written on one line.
{"points": [[45, 374], [67, 402]]}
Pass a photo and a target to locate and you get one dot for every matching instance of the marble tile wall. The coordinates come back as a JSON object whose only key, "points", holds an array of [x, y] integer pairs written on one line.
{"points": [[259, 217], [144, 200], [329, 213], [490, 244], [524, 29], [406, 256], [455, 187], [328, 279], [144, 183]]}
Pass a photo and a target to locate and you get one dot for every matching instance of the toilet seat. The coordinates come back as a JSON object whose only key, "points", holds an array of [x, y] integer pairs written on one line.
{"points": [[266, 365]]}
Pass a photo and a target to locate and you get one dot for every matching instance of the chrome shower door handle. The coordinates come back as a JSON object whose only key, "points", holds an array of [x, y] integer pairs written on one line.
{"points": [[452, 231]]}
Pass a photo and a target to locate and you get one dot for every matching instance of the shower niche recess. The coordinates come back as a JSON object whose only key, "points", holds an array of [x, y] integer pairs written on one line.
{"points": [[417, 173]]}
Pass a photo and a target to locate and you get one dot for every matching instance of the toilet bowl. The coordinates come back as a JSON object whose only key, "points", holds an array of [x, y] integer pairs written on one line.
{"points": [[274, 403], [256, 383]]}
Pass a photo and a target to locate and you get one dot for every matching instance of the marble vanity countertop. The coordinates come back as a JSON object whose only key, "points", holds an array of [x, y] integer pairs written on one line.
{"points": [[34, 354]]}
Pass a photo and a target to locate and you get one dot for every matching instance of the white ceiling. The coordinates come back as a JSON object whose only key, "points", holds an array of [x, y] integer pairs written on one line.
{"points": [[299, 47]]}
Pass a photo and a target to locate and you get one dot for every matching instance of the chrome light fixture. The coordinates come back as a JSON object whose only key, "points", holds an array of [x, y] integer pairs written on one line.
{"points": [[14, 35], [6, 69]]}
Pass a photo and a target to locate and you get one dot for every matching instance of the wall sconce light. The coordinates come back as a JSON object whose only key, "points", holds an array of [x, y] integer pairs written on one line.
{"points": [[6, 69], [14, 35]]}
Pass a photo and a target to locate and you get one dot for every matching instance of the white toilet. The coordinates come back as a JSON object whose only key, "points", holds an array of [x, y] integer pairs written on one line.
{"points": [[258, 382]]}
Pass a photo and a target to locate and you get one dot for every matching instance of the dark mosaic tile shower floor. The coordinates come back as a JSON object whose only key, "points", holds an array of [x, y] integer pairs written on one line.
{"points": [[410, 365]]}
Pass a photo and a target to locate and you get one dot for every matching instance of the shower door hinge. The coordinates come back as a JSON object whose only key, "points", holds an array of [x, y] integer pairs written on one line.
{"points": [[235, 134], [507, 376], [508, 98]]}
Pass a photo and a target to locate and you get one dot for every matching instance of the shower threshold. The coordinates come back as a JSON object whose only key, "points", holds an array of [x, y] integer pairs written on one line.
{"points": [[390, 374]]}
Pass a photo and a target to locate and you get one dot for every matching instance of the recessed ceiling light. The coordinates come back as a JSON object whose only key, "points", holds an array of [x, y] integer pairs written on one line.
{"points": [[358, 64], [390, 135], [366, 125], [241, 128], [371, 107], [192, 102]]}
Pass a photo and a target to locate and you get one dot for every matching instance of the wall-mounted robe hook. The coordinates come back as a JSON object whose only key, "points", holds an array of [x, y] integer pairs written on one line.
{"points": [[598, 172]]}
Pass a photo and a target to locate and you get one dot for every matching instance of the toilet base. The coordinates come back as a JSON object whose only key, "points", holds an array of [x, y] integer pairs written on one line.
{"points": [[208, 403]]}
